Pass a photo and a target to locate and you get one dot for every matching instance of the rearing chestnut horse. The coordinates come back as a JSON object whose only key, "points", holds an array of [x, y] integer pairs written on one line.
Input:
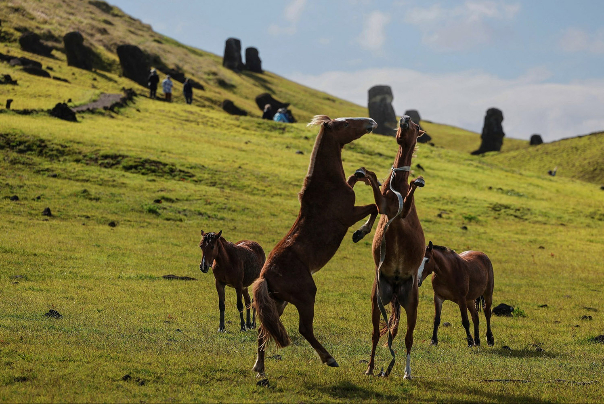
{"points": [[398, 245], [327, 210]]}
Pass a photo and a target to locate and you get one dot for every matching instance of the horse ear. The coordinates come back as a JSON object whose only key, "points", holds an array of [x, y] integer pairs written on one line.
{"points": [[430, 245], [219, 234], [202, 233]]}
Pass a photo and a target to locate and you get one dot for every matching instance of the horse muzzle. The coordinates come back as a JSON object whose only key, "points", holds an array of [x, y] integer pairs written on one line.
{"points": [[405, 122], [203, 266]]}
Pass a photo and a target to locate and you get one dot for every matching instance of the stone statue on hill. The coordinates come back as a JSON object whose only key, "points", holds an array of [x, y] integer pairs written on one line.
{"points": [[536, 140], [381, 110], [135, 63], [492, 132], [232, 55], [78, 54], [252, 60]]}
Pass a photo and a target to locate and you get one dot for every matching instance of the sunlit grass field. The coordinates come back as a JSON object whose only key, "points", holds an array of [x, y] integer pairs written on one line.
{"points": [[130, 191], [242, 175]]}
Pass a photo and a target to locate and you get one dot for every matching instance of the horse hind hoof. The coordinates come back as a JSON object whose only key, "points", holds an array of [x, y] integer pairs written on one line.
{"points": [[358, 236], [419, 182], [407, 376], [332, 363]]}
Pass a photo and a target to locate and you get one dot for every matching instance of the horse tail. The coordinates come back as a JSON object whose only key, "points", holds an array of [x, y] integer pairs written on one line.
{"points": [[266, 308], [479, 303], [393, 321]]}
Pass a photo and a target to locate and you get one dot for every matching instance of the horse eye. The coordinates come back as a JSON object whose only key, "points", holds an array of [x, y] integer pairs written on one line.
{"points": [[346, 125]]}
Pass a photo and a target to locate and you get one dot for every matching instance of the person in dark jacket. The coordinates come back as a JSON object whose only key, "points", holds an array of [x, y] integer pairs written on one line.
{"points": [[187, 91], [268, 112], [152, 82]]}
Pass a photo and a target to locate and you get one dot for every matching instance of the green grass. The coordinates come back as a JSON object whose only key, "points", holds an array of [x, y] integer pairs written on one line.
{"points": [[579, 158], [241, 175]]}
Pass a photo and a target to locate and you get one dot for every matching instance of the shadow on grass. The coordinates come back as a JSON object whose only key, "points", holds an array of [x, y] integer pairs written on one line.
{"points": [[520, 353], [349, 391], [261, 81], [462, 392]]}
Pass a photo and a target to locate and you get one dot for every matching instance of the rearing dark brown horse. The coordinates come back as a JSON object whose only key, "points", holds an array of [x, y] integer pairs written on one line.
{"points": [[398, 245], [327, 210]]}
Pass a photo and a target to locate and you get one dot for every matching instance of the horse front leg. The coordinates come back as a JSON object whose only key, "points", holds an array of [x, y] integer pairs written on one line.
{"points": [[375, 320], [418, 182], [248, 303], [360, 212], [438, 307], [220, 290]]}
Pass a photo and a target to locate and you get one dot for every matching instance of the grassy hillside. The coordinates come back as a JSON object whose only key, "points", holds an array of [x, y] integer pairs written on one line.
{"points": [[104, 27], [580, 157], [130, 191]]}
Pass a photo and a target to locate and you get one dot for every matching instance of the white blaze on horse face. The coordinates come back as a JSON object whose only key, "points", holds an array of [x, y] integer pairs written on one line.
{"points": [[420, 271]]}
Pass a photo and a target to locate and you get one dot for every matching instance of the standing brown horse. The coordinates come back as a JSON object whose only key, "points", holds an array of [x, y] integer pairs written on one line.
{"points": [[236, 265], [327, 211], [466, 279], [398, 246]]}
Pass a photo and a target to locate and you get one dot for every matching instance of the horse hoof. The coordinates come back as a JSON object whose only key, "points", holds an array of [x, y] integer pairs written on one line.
{"points": [[357, 236], [419, 182], [369, 372], [491, 342], [360, 173], [263, 383], [332, 363], [433, 342], [407, 377], [221, 329]]}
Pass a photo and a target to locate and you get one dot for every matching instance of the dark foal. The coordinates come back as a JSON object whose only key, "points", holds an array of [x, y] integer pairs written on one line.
{"points": [[466, 279], [235, 265], [396, 274], [327, 210]]}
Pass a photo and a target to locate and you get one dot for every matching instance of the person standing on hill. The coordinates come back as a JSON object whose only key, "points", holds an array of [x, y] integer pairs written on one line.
{"points": [[152, 82], [187, 91], [167, 87]]}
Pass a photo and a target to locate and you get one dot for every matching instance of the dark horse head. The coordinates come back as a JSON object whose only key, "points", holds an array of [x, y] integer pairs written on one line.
{"points": [[407, 133], [209, 247], [430, 265], [344, 130]]}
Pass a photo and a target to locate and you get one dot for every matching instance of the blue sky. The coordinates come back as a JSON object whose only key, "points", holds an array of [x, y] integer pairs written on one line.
{"points": [[540, 61]]}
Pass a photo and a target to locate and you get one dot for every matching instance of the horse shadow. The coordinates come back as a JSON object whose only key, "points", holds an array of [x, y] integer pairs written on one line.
{"points": [[104, 76], [471, 393], [527, 352], [261, 81], [351, 392]]}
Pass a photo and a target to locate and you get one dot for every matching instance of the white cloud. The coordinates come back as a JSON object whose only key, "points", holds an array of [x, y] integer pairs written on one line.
{"points": [[291, 14], [578, 40], [373, 36], [464, 26], [529, 103]]}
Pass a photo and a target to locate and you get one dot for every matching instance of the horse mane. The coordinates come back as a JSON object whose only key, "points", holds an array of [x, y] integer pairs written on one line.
{"points": [[318, 120], [442, 248]]}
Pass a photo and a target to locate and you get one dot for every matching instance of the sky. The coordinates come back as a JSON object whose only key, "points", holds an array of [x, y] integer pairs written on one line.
{"points": [[540, 61]]}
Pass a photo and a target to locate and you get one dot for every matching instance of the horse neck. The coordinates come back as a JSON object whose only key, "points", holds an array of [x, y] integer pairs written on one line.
{"points": [[401, 178], [326, 160], [225, 250]]}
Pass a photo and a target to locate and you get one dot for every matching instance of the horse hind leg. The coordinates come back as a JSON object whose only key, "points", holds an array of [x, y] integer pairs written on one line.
{"points": [[411, 310], [475, 320], [248, 303], [488, 301], [259, 365], [306, 312], [375, 337], [463, 308], [240, 307]]}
